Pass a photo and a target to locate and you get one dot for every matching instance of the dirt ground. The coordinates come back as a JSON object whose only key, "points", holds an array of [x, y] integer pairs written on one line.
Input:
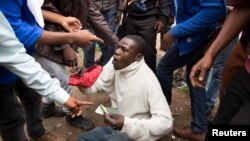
{"points": [[180, 109]]}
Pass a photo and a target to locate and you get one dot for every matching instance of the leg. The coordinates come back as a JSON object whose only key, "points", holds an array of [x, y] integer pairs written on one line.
{"points": [[89, 56], [216, 73], [32, 106], [11, 115], [145, 27], [236, 95], [108, 51], [233, 65], [59, 72], [103, 134]]}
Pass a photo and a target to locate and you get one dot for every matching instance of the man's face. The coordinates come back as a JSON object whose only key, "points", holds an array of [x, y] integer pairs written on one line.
{"points": [[125, 54]]}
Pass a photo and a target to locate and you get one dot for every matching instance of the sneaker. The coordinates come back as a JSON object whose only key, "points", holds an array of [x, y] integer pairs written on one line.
{"points": [[51, 110], [48, 136], [80, 122]]}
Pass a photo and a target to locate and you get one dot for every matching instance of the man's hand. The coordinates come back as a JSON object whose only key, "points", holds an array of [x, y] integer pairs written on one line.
{"points": [[159, 26], [84, 38], [167, 41], [70, 56], [74, 106], [115, 121], [71, 24], [199, 71]]}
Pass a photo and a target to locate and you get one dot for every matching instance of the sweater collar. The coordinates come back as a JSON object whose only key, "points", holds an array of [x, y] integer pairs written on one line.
{"points": [[132, 67]]}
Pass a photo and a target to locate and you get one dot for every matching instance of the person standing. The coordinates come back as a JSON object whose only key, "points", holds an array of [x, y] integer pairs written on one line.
{"points": [[185, 43], [146, 18]]}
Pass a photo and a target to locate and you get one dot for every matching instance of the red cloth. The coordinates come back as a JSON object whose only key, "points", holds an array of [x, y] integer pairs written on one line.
{"points": [[87, 79]]}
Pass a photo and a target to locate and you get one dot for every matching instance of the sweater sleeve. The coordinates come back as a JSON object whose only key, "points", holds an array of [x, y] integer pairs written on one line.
{"points": [[14, 58], [211, 12], [160, 122], [104, 83]]}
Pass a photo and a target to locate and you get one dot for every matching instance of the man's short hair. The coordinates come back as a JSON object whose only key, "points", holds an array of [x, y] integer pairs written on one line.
{"points": [[139, 41]]}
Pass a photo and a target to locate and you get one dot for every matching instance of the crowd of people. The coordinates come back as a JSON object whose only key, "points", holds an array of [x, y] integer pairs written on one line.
{"points": [[38, 39]]}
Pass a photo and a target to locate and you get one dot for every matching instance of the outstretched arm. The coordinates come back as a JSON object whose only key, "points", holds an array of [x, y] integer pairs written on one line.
{"points": [[13, 57], [229, 31]]}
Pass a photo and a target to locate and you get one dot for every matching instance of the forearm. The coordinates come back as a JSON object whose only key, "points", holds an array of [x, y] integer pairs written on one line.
{"points": [[49, 37], [229, 31], [147, 129], [52, 17]]}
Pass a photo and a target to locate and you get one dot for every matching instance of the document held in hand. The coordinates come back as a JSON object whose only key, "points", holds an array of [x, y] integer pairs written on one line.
{"points": [[108, 110]]}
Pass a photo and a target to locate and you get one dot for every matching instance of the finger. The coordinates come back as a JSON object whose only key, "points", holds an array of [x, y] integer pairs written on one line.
{"points": [[202, 75], [78, 23], [84, 102], [79, 112], [192, 76], [109, 119], [200, 84], [97, 39]]}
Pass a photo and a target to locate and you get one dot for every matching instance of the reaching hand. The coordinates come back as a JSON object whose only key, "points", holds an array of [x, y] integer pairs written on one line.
{"points": [[167, 41], [74, 106], [71, 24], [159, 26], [199, 71], [70, 56], [115, 121], [84, 38]]}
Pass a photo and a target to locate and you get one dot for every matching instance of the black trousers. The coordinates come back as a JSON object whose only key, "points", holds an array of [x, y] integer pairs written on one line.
{"points": [[235, 103], [13, 116], [143, 27]]}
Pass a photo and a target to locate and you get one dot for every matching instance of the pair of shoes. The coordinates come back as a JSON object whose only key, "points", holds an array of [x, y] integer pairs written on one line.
{"points": [[51, 110], [188, 134], [48, 136], [80, 122]]}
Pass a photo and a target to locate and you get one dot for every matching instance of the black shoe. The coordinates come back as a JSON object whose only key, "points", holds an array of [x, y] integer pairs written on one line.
{"points": [[80, 122], [51, 110]]}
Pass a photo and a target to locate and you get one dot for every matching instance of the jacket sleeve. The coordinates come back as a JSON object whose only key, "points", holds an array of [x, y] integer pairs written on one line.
{"points": [[100, 26], [165, 10], [50, 6], [211, 12], [160, 122], [14, 58]]}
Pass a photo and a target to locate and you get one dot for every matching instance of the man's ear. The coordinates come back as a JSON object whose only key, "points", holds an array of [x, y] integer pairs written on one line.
{"points": [[138, 57]]}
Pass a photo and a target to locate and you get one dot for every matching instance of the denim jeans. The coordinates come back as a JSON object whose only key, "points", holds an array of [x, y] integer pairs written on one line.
{"points": [[57, 71], [12, 115], [103, 134], [173, 60], [213, 82], [107, 51]]}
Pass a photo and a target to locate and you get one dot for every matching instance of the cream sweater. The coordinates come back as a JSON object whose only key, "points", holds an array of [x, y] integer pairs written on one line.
{"points": [[137, 94]]}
